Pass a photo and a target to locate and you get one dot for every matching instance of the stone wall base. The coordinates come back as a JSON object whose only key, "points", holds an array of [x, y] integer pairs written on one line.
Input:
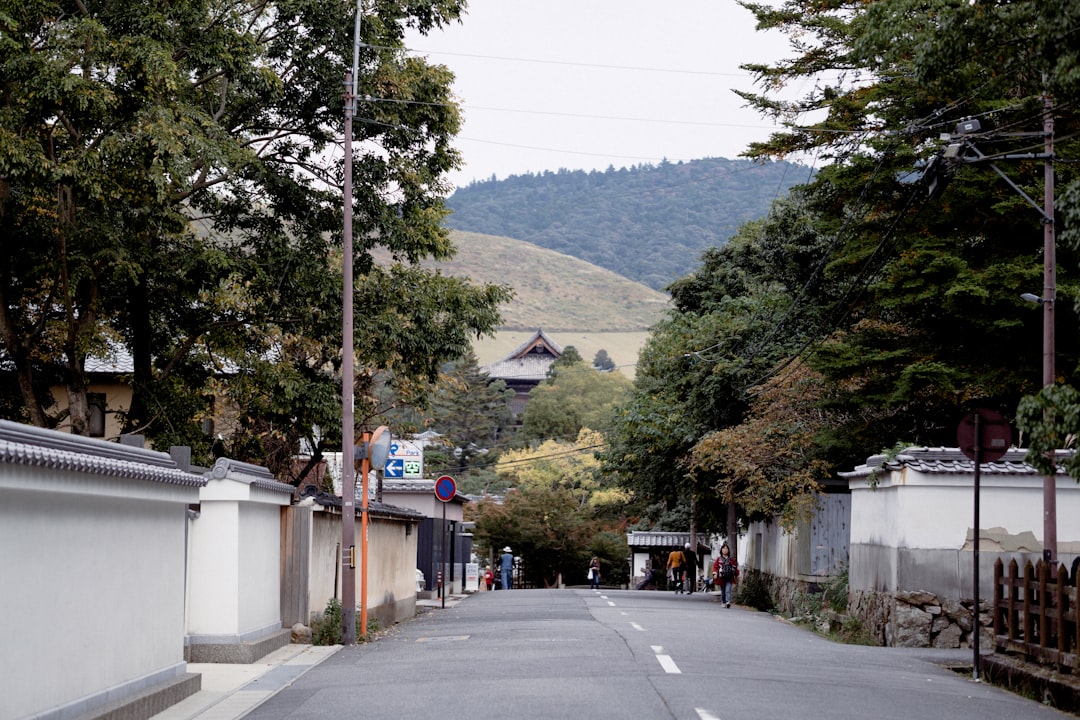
{"points": [[150, 702], [920, 619], [901, 619], [238, 652]]}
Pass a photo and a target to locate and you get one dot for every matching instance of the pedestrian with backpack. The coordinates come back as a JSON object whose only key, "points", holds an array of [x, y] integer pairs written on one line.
{"points": [[725, 573]]}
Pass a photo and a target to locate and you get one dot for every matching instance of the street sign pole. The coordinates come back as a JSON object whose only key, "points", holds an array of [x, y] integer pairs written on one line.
{"points": [[983, 436], [975, 569], [445, 491], [443, 563]]}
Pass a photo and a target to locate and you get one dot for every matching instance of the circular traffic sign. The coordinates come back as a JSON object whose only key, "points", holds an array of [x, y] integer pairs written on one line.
{"points": [[995, 435], [445, 488]]}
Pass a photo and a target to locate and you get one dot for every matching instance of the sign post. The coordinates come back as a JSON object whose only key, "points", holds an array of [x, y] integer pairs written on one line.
{"points": [[983, 436], [445, 491]]}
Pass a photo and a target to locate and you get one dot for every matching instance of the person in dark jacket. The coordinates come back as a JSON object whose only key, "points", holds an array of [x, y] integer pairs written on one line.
{"points": [[690, 568]]}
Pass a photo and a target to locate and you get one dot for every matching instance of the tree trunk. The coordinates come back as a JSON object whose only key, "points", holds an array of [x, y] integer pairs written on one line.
{"points": [[732, 528]]}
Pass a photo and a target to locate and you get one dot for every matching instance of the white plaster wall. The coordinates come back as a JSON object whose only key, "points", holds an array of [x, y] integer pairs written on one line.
{"points": [[259, 567], [325, 570], [919, 511], [391, 564], [771, 549], [214, 607], [89, 563]]}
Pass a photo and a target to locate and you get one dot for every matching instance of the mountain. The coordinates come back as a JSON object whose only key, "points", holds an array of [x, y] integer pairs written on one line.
{"points": [[647, 223]]}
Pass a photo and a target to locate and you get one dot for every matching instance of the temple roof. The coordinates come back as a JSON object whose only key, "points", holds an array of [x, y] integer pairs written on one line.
{"points": [[530, 361]]}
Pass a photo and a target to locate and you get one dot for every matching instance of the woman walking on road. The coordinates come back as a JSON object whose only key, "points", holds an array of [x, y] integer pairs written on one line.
{"points": [[594, 573], [726, 572], [675, 562]]}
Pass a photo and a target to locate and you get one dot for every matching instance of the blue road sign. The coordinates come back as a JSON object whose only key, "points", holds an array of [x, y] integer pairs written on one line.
{"points": [[445, 488], [395, 468]]}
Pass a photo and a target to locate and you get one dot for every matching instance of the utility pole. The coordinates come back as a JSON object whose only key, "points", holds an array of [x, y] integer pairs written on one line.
{"points": [[1048, 298], [938, 172], [348, 442]]}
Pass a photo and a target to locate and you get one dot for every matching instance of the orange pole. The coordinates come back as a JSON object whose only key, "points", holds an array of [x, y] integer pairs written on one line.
{"points": [[365, 470]]}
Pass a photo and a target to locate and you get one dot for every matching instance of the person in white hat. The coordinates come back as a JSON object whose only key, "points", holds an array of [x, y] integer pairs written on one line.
{"points": [[506, 567]]}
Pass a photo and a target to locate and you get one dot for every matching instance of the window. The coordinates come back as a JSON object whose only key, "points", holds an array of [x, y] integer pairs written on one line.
{"points": [[96, 403]]}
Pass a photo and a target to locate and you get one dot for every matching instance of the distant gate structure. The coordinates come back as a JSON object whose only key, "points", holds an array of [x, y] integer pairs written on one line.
{"points": [[526, 367]]}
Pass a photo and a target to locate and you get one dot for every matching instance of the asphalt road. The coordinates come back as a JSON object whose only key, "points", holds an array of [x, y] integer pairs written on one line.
{"points": [[576, 653]]}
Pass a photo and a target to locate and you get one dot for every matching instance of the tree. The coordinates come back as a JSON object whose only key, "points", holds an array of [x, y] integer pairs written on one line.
{"points": [[471, 411], [166, 187], [602, 361], [558, 512], [734, 322], [925, 319], [767, 466], [1031, 49], [573, 397]]}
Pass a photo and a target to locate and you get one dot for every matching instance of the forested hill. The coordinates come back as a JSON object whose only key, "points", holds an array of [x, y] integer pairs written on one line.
{"points": [[649, 223]]}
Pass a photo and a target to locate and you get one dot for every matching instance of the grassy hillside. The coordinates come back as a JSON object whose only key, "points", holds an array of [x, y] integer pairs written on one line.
{"points": [[572, 301], [555, 291]]}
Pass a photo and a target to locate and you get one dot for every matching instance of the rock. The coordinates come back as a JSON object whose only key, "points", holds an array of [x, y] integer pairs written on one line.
{"points": [[301, 634], [949, 637], [911, 626], [917, 597]]}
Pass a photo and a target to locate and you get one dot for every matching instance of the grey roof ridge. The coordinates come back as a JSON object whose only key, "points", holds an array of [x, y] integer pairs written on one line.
{"points": [[29, 445]]}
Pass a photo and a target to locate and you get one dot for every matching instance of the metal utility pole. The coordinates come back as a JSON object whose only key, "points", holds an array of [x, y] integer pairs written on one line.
{"points": [[348, 472]]}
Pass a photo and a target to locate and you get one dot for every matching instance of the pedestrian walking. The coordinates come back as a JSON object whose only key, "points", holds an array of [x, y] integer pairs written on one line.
{"points": [[725, 573], [690, 568], [506, 568], [594, 573], [675, 562]]}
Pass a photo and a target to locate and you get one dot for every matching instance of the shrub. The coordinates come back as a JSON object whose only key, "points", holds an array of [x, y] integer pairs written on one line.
{"points": [[753, 591], [326, 626], [836, 592]]}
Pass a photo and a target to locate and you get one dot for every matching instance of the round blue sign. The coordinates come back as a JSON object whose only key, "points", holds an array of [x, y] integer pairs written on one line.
{"points": [[445, 488]]}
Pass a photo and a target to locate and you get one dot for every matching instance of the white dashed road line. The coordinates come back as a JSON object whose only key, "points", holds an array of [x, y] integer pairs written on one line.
{"points": [[705, 714], [665, 661]]}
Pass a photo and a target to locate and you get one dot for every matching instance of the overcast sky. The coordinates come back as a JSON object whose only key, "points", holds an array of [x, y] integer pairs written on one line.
{"points": [[588, 84]]}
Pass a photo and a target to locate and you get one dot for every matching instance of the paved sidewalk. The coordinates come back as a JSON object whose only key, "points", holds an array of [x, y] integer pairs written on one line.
{"points": [[231, 691]]}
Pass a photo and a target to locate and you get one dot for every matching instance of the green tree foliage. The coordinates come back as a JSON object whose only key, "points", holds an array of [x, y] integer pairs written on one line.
{"points": [[602, 361], [925, 317], [544, 525], [735, 321], [472, 413], [575, 396], [600, 217], [168, 186], [767, 464], [558, 513], [1016, 58]]}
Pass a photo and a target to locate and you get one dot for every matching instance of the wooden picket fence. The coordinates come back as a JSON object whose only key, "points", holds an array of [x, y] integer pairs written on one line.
{"points": [[1035, 614]]}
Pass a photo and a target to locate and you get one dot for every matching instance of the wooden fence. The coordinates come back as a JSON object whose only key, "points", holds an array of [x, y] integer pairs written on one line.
{"points": [[1035, 615]]}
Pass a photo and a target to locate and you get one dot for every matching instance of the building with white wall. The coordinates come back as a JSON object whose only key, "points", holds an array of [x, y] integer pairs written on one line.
{"points": [[234, 565], [94, 555]]}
